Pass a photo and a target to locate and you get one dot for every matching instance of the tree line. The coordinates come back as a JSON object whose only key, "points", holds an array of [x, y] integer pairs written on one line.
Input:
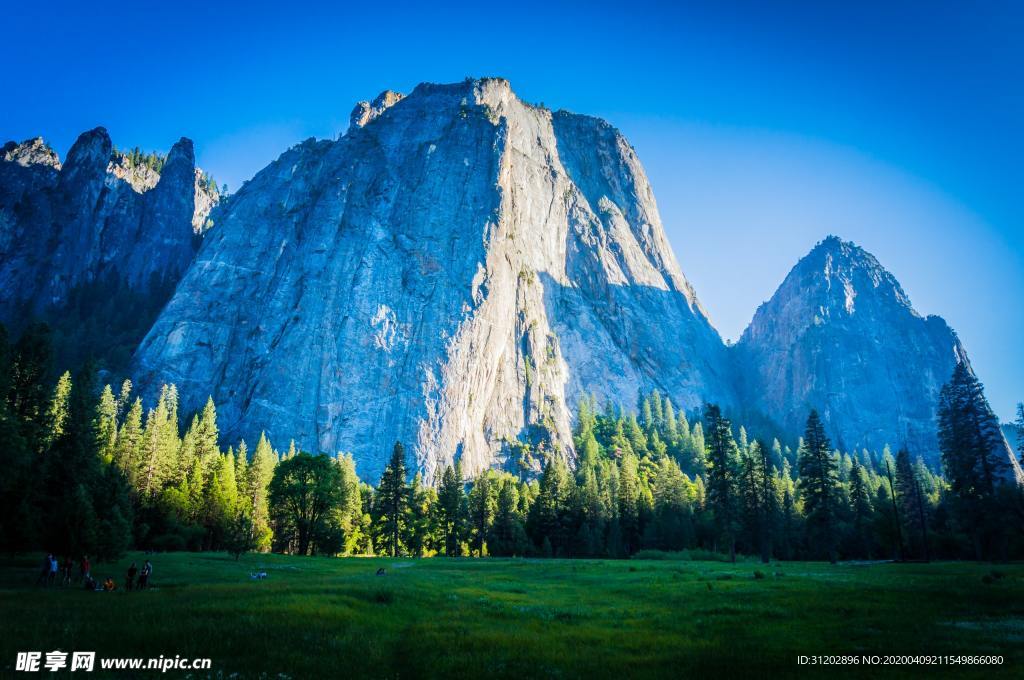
{"points": [[91, 470]]}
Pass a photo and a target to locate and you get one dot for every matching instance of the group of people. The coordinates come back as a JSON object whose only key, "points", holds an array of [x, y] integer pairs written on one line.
{"points": [[52, 567]]}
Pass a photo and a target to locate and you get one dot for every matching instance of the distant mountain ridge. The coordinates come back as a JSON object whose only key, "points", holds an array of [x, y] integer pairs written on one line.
{"points": [[96, 224], [457, 271]]}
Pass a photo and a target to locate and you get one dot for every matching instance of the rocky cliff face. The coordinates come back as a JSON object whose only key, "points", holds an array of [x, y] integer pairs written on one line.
{"points": [[841, 336], [454, 272], [95, 245], [96, 215]]}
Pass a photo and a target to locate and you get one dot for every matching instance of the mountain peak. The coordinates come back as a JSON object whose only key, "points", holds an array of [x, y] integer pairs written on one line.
{"points": [[366, 111], [30, 152], [454, 272], [834, 249], [835, 272], [88, 158], [840, 336]]}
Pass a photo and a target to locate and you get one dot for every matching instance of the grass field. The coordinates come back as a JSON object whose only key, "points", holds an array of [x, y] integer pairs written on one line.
{"points": [[323, 618]]}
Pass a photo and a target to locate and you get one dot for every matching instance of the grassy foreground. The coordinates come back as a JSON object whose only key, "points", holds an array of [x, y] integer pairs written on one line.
{"points": [[322, 617]]}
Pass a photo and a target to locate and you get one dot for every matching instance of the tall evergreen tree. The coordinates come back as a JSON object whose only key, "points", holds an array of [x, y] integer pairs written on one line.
{"points": [[721, 476], [450, 501], [351, 507], [57, 413], [258, 478], [547, 520], [629, 504], [973, 456], [819, 485], [107, 425], [28, 396], [861, 513], [912, 505], [393, 501], [509, 532], [672, 507], [127, 453], [418, 524], [483, 506], [767, 502]]}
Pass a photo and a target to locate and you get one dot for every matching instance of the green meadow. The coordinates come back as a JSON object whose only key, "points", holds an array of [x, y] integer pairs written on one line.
{"points": [[324, 618]]}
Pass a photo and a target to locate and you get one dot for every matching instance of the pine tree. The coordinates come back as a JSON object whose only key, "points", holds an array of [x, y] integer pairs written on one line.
{"points": [[351, 507], [160, 445], [450, 500], [861, 511], [767, 507], [244, 503], [546, 522], [221, 500], [124, 399], [258, 478], [912, 506], [973, 455], [671, 426], [819, 485], [585, 418], [106, 415], [393, 501], [57, 413], [629, 504], [28, 395], [721, 476], [418, 525], [483, 506], [672, 507], [593, 513], [509, 531]]}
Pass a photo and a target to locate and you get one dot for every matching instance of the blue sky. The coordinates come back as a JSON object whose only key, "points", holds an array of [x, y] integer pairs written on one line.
{"points": [[896, 125]]}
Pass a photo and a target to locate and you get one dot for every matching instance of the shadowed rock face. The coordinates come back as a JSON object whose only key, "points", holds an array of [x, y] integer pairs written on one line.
{"points": [[841, 336], [458, 267], [93, 217]]}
